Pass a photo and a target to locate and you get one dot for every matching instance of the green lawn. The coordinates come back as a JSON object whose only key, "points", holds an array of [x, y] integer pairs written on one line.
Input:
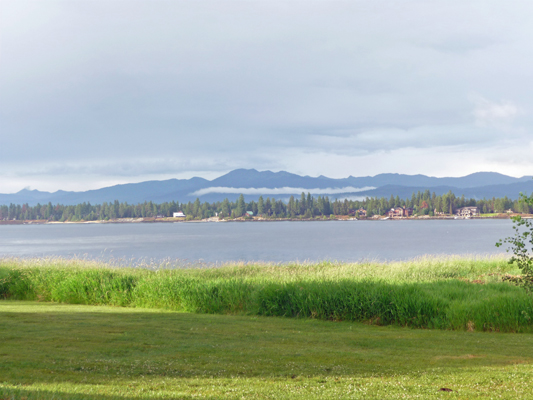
{"points": [[65, 351]]}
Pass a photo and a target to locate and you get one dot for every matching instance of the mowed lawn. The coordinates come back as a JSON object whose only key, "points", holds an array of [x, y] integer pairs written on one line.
{"points": [[64, 351]]}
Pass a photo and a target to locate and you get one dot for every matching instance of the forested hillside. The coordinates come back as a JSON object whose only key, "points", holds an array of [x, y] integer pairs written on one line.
{"points": [[307, 206]]}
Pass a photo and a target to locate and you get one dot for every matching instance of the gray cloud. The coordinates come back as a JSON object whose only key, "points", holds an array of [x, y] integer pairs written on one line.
{"points": [[117, 90], [489, 113]]}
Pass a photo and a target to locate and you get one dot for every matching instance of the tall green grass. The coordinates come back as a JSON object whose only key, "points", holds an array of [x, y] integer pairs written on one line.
{"points": [[442, 292]]}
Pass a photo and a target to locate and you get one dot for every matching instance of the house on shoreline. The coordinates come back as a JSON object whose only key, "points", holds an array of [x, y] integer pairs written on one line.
{"points": [[400, 212], [467, 212], [178, 214]]}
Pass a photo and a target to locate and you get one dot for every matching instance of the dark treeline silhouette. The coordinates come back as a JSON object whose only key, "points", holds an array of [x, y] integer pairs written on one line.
{"points": [[307, 206]]}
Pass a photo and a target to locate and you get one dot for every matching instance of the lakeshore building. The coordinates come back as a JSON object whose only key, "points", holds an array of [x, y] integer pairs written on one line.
{"points": [[178, 214], [400, 212], [467, 211]]}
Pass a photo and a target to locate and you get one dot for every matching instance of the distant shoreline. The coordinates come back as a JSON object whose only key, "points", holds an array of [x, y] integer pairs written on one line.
{"points": [[254, 219]]}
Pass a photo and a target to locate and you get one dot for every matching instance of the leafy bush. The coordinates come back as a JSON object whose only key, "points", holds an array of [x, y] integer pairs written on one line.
{"points": [[521, 245]]}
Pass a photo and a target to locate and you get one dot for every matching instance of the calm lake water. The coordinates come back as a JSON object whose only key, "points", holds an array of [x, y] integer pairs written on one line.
{"points": [[258, 241]]}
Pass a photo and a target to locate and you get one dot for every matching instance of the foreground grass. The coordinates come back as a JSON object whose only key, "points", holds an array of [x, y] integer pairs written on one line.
{"points": [[85, 352], [443, 293]]}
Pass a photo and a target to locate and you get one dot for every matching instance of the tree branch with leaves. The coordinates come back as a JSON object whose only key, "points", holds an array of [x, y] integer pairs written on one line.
{"points": [[521, 245]]}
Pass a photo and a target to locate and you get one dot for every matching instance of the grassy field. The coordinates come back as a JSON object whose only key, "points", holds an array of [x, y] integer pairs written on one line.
{"points": [[62, 351], [442, 293]]}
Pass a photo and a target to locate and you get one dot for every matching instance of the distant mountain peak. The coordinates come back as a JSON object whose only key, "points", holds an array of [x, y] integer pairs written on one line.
{"points": [[231, 184]]}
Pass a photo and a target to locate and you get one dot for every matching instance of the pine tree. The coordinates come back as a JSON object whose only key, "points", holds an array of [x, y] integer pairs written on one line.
{"points": [[268, 206], [260, 206], [291, 207], [225, 210], [241, 206], [303, 205]]}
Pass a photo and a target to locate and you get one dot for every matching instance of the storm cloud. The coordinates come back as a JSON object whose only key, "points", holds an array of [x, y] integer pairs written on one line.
{"points": [[95, 93]]}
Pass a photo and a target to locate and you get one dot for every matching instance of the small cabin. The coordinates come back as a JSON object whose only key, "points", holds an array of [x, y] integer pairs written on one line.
{"points": [[178, 214], [467, 211]]}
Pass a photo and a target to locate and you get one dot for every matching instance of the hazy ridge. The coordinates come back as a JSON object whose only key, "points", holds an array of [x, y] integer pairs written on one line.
{"points": [[282, 184]]}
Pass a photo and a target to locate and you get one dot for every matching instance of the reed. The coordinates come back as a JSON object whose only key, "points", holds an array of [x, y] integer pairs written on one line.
{"points": [[430, 292]]}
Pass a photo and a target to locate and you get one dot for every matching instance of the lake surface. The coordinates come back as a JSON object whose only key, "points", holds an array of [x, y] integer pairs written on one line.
{"points": [[256, 241]]}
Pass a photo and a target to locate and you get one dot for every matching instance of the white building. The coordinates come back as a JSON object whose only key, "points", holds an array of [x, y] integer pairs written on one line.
{"points": [[178, 214], [467, 211]]}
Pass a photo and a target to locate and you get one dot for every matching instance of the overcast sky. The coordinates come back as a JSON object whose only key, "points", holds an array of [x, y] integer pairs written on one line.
{"points": [[94, 93]]}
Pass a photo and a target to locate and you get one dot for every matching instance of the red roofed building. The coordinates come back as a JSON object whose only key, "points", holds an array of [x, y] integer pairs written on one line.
{"points": [[400, 212]]}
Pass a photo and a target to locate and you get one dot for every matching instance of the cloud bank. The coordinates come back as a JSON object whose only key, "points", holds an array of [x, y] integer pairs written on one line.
{"points": [[112, 91], [283, 190]]}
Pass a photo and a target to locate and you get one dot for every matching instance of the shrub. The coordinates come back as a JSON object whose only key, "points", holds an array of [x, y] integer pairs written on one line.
{"points": [[521, 245]]}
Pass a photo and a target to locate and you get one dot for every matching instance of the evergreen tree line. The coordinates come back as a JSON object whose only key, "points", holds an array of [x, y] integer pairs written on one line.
{"points": [[307, 206]]}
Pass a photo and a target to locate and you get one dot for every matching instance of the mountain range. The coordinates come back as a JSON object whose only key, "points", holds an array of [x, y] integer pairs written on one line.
{"points": [[281, 185]]}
